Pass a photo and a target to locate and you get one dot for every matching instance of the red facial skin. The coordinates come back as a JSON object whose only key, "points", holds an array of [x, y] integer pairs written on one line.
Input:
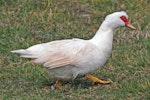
{"points": [[126, 21]]}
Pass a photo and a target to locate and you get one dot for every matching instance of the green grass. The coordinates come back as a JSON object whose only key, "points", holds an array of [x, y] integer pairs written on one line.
{"points": [[28, 22]]}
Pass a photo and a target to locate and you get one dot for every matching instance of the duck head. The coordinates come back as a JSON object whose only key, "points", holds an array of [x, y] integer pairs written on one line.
{"points": [[118, 19]]}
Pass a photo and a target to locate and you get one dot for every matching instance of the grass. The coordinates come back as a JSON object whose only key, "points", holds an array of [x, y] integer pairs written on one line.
{"points": [[25, 23]]}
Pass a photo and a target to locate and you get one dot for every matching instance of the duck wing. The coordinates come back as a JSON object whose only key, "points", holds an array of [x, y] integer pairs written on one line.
{"points": [[63, 53]]}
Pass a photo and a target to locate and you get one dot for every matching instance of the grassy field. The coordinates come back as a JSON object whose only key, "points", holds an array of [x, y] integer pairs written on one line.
{"points": [[27, 22]]}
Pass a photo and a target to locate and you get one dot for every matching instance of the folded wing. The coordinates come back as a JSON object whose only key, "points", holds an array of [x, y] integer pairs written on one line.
{"points": [[57, 53]]}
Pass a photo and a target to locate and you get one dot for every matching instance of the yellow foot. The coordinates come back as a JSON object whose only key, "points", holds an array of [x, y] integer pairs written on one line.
{"points": [[58, 85], [96, 80]]}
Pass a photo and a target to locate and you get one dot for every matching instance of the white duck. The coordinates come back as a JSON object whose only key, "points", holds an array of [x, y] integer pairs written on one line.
{"points": [[72, 58]]}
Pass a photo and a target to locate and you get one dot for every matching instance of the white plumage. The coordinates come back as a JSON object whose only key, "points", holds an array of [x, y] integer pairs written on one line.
{"points": [[68, 59]]}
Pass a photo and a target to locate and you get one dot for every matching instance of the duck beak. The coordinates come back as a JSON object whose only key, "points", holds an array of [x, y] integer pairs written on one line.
{"points": [[130, 26]]}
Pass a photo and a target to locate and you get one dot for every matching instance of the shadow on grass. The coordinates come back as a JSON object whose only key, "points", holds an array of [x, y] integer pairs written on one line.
{"points": [[79, 83]]}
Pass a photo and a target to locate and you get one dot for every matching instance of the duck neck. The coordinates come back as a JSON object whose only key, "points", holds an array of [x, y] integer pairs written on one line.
{"points": [[104, 35]]}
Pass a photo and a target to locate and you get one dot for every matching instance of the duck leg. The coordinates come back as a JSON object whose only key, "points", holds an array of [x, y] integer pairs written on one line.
{"points": [[58, 85], [97, 80]]}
